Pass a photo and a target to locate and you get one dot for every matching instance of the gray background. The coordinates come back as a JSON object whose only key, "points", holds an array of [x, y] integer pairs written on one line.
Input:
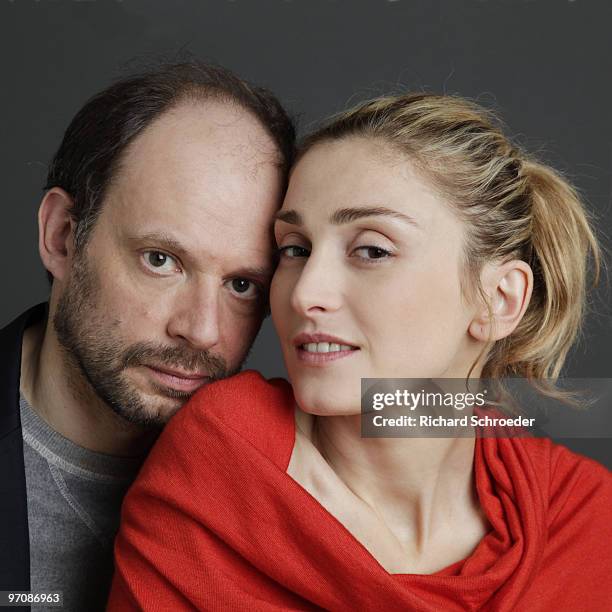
{"points": [[545, 66]]}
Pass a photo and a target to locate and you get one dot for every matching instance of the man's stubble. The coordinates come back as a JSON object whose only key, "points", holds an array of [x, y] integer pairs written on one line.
{"points": [[99, 358]]}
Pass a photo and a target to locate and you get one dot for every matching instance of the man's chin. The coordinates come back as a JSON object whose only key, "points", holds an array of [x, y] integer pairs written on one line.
{"points": [[163, 405], [148, 410], [147, 403], [144, 400]]}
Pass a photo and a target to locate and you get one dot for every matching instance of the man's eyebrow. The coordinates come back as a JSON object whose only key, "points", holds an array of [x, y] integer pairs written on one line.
{"points": [[260, 273], [159, 239], [347, 215]]}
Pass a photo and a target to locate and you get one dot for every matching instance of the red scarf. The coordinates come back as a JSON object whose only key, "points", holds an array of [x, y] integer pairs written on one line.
{"points": [[213, 522]]}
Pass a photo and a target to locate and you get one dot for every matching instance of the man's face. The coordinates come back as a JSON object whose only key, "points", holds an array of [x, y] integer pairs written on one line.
{"points": [[172, 285]]}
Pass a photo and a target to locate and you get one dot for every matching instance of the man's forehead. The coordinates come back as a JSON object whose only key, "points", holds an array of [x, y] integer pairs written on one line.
{"points": [[213, 129], [212, 190], [205, 212], [214, 162], [191, 157], [194, 221]]}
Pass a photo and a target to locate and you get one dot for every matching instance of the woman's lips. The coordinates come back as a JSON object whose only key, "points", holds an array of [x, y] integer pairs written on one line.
{"points": [[176, 381], [308, 354]]}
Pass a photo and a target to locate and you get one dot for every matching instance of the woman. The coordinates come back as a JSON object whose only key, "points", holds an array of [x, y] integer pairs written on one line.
{"points": [[414, 241]]}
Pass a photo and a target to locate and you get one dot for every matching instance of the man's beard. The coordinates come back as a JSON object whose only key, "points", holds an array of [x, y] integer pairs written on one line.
{"points": [[92, 345]]}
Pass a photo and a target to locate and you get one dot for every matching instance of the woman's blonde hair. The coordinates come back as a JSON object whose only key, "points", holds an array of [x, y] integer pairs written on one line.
{"points": [[513, 207]]}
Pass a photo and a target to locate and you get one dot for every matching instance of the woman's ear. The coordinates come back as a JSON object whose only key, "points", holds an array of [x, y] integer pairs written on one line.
{"points": [[508, 287], [55, 232]]}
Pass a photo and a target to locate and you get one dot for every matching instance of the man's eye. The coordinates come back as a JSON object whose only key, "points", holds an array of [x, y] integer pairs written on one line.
{"points": [[370, 253], [160, 262], [243, 288], [293, 251]]}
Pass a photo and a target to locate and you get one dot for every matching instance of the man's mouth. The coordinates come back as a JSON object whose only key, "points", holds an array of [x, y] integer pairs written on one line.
{"points": [[187, 382]]}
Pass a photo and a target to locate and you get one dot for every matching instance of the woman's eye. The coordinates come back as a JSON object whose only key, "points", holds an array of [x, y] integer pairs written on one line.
{"points": [[243, 288], [159, 262], [370, 253], [293, 251]]}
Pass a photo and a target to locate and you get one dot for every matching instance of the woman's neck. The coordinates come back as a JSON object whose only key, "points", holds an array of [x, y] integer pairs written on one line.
{"points": [[420, 491], [414, 481]]}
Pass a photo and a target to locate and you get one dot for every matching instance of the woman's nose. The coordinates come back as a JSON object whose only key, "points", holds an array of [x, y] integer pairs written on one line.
{"points": [[318, 288]]}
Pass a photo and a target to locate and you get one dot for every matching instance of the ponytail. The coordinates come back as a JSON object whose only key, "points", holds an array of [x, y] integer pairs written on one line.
{"points": [[561, 245]]}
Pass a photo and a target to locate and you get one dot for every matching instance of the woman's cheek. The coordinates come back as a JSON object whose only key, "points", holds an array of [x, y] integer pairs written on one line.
{"points": [[280, 296]]}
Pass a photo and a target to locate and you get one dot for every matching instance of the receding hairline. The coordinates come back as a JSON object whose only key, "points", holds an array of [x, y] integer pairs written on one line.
{"points": [[222, 100]]}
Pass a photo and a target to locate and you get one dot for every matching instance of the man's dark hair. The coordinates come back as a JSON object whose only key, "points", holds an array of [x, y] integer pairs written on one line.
{"points": [[99, 134]]}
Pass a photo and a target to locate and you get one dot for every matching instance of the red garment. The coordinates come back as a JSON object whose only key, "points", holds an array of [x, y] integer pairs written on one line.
{"points": [[214, 523]]}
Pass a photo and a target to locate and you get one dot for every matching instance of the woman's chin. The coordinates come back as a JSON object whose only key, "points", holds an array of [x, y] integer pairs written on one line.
{"points": [[333, 404], [329, 411]]}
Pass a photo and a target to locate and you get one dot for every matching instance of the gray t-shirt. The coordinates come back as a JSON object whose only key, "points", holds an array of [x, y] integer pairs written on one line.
{"points": [[74, 500]]}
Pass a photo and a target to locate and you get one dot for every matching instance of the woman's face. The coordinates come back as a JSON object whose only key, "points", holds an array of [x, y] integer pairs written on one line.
{"points": [[368, 283]]}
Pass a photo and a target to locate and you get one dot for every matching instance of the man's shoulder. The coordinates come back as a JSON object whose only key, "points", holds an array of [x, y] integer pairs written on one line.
{"points": [[11, 338], [13, 330], [14, 553]]}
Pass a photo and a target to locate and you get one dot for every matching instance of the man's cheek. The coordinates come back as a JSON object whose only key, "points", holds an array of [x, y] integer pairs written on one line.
{"points": [[136, 309], [240, 340]]}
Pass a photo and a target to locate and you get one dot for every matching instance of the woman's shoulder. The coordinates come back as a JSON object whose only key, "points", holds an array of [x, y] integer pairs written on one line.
{"points": [[259, 410], [563, 460], [246, 390], [574, 481]]}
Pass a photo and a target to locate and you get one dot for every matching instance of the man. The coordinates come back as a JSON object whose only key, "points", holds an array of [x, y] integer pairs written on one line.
{"points": [[154, 229]]}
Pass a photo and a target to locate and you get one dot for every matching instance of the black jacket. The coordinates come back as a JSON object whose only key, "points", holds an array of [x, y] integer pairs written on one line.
{"points": [[14, 535]]}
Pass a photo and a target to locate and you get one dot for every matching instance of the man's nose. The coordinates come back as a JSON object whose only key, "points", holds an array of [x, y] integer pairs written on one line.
{"points": [[319, 287], [196, 315]]}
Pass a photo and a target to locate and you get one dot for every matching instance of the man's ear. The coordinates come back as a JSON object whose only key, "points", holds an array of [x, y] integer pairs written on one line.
{"points": [[55, 232], [508, 287]]}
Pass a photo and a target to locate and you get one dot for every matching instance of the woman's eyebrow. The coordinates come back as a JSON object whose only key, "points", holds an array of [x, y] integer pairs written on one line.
{"points": [[289, 216], [346, 215]]}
